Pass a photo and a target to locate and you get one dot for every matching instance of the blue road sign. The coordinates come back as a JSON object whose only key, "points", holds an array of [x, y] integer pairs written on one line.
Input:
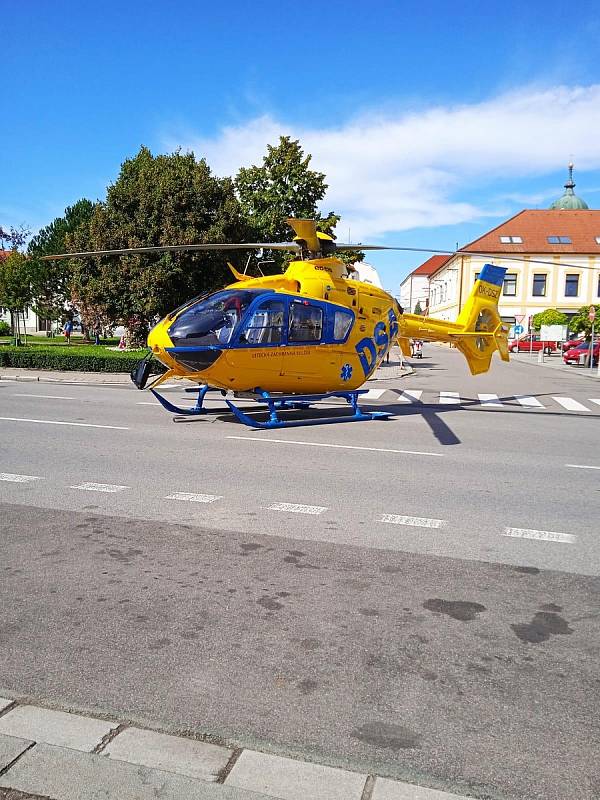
{"points": [[518, 330]]}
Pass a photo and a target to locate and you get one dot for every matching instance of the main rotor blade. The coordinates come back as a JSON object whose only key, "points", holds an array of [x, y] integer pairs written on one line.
{"points": [[358, 247], [496, 256], [178, 248]]}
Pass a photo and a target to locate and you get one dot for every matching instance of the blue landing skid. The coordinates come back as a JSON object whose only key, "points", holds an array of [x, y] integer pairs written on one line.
{"points": [[285, 402], [188, 412], [278, 403]]}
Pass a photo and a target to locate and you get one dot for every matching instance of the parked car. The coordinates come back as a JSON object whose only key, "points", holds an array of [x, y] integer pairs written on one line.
{"points": [[578, 355], [576, 340], [531, 342]]}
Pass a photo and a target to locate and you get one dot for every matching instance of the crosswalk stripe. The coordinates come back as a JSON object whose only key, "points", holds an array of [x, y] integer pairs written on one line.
{"points": [[449, 398], [529, 402], [373, 394], [410, 396], [592, 400], [490, 400], [570, 404]]}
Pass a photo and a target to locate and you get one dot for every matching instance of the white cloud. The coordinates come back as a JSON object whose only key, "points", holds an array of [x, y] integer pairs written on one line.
{"points": [[391, 173]]}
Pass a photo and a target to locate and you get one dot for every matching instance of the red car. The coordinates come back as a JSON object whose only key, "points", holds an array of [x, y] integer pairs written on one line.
{"points": [[572, 343], [578, 355], [531, 342]]}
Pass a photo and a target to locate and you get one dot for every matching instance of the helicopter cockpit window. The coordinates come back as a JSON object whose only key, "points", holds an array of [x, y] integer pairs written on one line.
{"points": [[342, 322], [211, 321], [265, 326], [306, 323]]}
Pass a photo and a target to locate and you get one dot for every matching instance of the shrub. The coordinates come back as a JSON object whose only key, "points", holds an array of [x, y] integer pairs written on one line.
{"points": [[83, 359], [4, 328]]}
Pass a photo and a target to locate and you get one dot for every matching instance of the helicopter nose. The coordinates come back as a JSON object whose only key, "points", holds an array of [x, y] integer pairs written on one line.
{"points": [[158, 338]]}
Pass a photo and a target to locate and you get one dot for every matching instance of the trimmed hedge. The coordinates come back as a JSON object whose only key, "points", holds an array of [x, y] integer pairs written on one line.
{"points": [[82, 359]]}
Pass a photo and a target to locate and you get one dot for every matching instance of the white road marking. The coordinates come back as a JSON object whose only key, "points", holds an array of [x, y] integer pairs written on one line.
{"points": [[340, 446], [581, 466], [414, 522], [449, 398], [373, 394], [490, 400], [570, 404], [545, 536], [410, 396], [592, 400], [297, 508], [54, 422], [100, 487], [193, 498], [529, 402], [45, 396], [7, 476], [149, 403]]}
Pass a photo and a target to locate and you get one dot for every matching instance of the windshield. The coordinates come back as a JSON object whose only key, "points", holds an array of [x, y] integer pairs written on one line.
{"points": [[211, 321]]}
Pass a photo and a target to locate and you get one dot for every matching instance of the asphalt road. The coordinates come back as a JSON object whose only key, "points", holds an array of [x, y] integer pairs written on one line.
{"points": [[425, 607]]}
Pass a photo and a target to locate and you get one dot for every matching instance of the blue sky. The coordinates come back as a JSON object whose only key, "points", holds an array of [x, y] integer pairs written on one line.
{"points": [[432, 120]]}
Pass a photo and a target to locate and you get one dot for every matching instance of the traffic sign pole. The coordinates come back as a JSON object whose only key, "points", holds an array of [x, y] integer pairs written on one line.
{"points": [[592, 317]]}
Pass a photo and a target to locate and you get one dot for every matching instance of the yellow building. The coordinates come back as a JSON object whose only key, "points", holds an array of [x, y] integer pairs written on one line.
{"points": [[558, 267]]}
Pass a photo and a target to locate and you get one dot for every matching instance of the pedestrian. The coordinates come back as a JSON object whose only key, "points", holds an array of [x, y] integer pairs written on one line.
{"points": [[68, 330], [97, 331]]}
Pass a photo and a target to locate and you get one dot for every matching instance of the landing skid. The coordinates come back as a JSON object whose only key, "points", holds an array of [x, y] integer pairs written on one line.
{"points": [[196, 410], [275, 404]]}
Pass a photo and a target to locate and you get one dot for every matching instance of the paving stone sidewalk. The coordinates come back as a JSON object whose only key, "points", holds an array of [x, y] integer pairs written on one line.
{"points": [[53, 754]]}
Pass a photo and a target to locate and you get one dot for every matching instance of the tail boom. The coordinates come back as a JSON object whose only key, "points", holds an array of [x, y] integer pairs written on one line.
{"points": [[478, 332]]}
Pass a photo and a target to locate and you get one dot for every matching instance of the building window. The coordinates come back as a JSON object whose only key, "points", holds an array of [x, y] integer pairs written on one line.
{"points": [[572, 286], [510, 284], [598, 287], [477, 274], [510, 322], [511, 240], [559, 240], [539, 285]]}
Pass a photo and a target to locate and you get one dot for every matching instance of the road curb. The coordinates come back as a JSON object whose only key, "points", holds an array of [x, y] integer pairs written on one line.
{"points": [[45, 751]]}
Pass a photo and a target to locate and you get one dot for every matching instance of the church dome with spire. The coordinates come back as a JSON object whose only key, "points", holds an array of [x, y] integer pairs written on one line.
{"points": [[569, 200]]}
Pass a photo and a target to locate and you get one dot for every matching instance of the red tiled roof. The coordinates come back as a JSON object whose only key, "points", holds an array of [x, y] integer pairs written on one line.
{"points": [[430, 266], [535, 225]]}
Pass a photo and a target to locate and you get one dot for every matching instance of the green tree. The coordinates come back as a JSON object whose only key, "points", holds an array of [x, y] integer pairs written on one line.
{"points": [[156, 200], [17, 279], [284, 186], [53, 278], [581, 322], [418, 309], [551, 316]]}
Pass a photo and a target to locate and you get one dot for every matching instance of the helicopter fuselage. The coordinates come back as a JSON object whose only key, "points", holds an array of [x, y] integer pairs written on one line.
{"points": [[309, 330]]}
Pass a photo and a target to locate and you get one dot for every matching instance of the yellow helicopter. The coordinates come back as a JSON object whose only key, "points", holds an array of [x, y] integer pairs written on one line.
{"points": [[314, 332]]}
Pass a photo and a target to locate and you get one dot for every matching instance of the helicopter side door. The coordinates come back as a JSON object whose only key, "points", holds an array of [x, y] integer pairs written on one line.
{"points": [[257, 345], [316, 335]]}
